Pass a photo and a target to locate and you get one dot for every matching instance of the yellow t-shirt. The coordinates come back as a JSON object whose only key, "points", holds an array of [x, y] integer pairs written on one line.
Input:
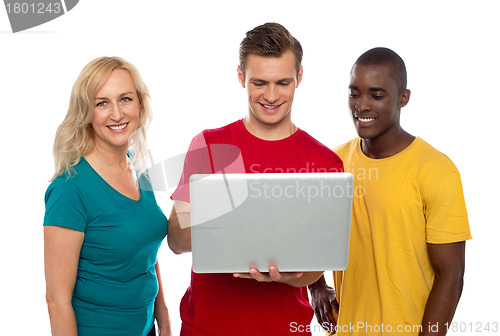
{"points": [[400, 204]]}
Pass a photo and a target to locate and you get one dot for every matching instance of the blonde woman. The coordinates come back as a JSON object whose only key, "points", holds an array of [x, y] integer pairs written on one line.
{"points": [[102, 226]]}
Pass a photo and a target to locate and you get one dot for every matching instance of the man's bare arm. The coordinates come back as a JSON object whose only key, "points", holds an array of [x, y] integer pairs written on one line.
{"points": [[448, 261], [179, 227]]}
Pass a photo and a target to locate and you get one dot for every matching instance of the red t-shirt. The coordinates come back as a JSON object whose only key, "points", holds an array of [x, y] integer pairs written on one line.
{"points": [[219, 304]]}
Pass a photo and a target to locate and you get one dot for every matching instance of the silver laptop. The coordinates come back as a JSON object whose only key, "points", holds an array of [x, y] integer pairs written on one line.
{"points": [[294, 221]]}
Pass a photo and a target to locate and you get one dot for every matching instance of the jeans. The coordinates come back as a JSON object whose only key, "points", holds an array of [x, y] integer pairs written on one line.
{"points": [[153, 331]]}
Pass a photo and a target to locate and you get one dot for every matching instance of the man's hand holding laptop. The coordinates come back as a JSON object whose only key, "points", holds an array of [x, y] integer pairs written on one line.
{"points": [[296, 279]]}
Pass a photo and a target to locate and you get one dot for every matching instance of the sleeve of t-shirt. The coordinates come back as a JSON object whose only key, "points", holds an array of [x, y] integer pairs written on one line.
{"points": [[64, 206], [445, 211], [334, 163], [197, 161]]}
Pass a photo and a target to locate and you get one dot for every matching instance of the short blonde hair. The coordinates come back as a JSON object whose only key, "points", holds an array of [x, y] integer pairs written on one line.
{"points": [[74, 137]]}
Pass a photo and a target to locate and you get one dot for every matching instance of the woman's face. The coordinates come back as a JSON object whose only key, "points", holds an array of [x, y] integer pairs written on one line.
{"points": [[116, 111]]}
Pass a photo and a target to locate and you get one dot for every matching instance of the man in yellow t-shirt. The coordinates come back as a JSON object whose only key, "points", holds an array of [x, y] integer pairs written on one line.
{"points": [[409, 222]]}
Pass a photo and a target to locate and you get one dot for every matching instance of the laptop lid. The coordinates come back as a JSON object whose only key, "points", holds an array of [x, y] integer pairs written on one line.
{"points": [[294, 221]]}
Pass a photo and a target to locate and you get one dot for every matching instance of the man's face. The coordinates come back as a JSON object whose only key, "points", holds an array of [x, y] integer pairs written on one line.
{"points": [[271, 83], [375, 101]]}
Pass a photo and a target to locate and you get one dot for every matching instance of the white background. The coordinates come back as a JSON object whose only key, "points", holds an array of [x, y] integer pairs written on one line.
{"points": [[188, 52]]}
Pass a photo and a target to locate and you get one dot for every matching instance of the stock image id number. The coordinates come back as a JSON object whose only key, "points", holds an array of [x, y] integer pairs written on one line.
{"points": [[33, 8], [473, 327]]}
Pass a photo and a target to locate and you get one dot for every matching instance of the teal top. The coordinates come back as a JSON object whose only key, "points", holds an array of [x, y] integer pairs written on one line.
{"points": [[116, 284]]}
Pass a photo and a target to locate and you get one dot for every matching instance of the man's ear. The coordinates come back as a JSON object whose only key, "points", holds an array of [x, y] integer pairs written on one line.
{"points": [[299, 77], [404, 98], [241, 77]]}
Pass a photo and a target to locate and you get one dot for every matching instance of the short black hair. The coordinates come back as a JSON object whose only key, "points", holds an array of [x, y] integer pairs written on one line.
{"points": [[379, 56]]}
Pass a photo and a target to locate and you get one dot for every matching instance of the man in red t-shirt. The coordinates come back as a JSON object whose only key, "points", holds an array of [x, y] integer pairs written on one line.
{"points": [[265, 141]]}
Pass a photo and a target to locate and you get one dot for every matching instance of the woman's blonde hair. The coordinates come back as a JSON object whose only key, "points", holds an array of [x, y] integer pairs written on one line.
{"points": [[74, 137]]}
